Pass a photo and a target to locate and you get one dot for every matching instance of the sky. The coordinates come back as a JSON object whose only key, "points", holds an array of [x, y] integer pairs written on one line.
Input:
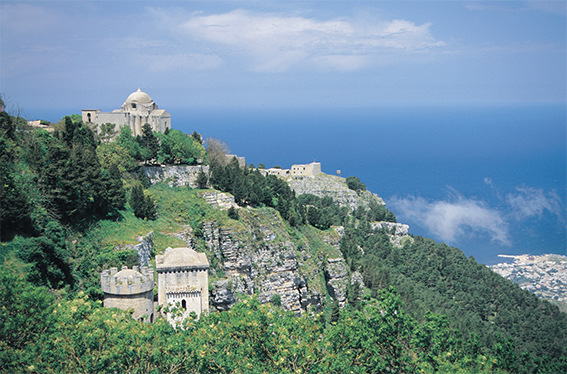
{"points": [[281, 54], [58, 57]]}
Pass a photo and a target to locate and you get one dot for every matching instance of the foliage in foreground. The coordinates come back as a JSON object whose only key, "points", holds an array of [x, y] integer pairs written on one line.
{"points": [[43, 333]]}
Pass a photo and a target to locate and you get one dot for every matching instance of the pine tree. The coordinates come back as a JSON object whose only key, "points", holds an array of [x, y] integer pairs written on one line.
{"points": [[143, 206], [137, 200], [114, 195], [201, 179], [150, 209], [150, 142]]}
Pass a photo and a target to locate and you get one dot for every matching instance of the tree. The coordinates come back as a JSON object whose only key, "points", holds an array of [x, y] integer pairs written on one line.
{"points": [[114, 191], [143, 205], [107, 132], [355, 184], [197, 137], [276, 299], [233, 213], [14, 205], [201, 180], [128, 142], [115, 154], [137, 200], [149, 143], [217, 151], [26, 313], [335, 311]]}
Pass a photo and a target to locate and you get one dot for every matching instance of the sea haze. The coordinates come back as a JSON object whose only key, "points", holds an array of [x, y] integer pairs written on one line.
{"points": [[489, 180]]}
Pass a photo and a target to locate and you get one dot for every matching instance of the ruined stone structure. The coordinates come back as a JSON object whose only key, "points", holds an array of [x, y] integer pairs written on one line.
{"points": [[130, 289], [137, 110], [300, 170], [183, 281]]}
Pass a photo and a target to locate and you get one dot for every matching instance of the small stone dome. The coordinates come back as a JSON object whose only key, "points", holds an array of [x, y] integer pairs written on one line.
{"points": [[139, 97], [128, 273]]}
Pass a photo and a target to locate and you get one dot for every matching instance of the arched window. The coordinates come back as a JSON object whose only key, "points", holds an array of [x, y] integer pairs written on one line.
{"points": [[184, 304], [89, 117], [152, 318]]}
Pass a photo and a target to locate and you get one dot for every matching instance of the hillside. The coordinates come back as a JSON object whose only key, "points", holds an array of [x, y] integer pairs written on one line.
{"points": [[310, 276]]}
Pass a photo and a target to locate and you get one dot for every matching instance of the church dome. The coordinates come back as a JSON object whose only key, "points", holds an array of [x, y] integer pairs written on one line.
{"points": [[139, 97]]}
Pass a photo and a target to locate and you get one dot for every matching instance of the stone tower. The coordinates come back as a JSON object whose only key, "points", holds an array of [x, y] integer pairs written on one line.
{"points": [[183, 277], [130, 288]]}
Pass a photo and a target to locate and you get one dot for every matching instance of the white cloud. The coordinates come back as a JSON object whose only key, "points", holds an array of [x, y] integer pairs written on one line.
{"points": [[277, 42], [458, 216], [529, 202], [452, 219]]}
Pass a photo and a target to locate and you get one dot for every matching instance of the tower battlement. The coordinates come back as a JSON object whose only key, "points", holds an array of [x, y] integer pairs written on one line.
{"points": [[127, 281]]}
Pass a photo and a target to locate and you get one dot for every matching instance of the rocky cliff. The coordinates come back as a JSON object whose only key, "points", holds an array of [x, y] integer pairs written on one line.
{"points": [[259, 254], [336, 187], [175, 175]]}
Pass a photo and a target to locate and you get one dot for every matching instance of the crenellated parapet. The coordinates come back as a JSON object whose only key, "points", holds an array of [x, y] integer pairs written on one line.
{"points": [[127, 281]]}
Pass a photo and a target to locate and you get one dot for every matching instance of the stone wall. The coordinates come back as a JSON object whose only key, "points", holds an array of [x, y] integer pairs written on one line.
{"points": [[130, 289], [142, 304]]}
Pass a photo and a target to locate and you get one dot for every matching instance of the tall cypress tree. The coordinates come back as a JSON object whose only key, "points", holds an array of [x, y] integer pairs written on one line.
{"points": [[137, 200], [150, 142]]}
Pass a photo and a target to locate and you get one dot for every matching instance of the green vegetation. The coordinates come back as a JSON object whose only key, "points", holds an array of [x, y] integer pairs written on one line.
{"points": [[44, 332], [251, 188], [504, 321], [171, 147], [355, 184], [70, 209]]}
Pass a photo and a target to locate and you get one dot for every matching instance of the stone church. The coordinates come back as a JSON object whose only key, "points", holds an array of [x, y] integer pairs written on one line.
{"points": [[183, 282], [137, 110]]}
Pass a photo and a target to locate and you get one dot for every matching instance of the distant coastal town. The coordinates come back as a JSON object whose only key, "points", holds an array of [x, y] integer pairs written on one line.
{"points": [[545, 275]]}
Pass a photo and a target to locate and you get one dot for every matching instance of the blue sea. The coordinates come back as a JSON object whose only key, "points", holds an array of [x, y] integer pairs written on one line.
{"points": [[489, 180]]}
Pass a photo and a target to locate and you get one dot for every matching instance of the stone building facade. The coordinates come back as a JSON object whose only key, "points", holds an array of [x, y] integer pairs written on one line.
{"points": [[183, 280], [130, 289], [299, 170], [137, 110]]}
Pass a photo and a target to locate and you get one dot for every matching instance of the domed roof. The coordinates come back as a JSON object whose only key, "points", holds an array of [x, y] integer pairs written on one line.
{"points": [[129, 273], [139, 97], [180, 258]]}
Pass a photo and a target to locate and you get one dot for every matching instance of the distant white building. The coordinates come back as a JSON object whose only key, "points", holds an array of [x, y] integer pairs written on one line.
{"points": [[299, 170], [137, 110]]}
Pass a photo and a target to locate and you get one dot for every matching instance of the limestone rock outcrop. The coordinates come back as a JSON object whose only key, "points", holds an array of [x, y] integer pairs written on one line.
{"points": [[398, 231], [323, 185], [175, 175], [144, 248]]}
